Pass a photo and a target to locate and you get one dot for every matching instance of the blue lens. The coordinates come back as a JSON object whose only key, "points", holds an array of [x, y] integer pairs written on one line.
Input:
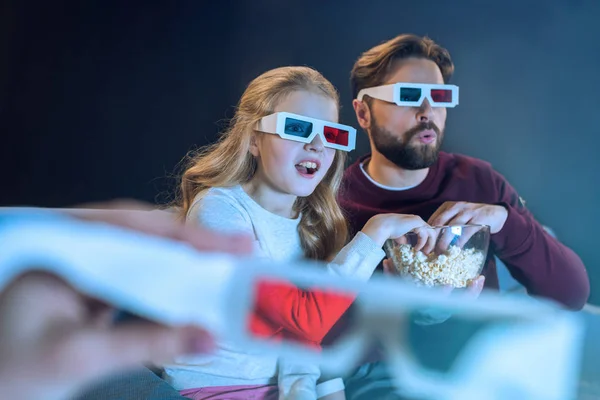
{"points": [[410, 94], [296, 127]]}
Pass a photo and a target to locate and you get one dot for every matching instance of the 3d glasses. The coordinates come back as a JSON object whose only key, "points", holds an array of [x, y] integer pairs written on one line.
{"points": [[304, 129], [413, 94], [485, 333], [521, 345]]}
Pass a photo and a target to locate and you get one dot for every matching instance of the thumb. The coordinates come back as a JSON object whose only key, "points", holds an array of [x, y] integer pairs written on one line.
{"points": [[475, 287], [302, 389], [388, 267], [126, 346]]}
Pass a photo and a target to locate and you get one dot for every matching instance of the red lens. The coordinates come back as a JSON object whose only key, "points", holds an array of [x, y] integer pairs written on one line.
{"points": [[336, 136], [441, 95]]}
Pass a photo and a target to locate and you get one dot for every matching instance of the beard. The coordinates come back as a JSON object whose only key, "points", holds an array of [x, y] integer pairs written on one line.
{"points": [[399, 150]]}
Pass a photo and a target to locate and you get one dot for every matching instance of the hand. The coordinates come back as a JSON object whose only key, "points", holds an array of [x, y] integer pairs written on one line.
{"points": [[433, 315], [462, 213], [144, 218], [473, 289], [394, 226], [54, 339]]}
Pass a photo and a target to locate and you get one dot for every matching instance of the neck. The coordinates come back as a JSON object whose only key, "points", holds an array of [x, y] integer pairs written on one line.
{"points": [[386, 173], [270, 199]]}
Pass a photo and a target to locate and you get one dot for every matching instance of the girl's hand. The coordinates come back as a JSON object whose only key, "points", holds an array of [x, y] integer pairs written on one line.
{"points": [[394, 226]]}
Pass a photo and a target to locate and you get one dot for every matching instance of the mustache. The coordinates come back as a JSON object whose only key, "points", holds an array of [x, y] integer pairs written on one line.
{"points": [[423, 126]]}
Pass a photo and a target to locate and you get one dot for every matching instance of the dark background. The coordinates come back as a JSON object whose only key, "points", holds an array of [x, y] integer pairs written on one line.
{"points": [[101, 99]]}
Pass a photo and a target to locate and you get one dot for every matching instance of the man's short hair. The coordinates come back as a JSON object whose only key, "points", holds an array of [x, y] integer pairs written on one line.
{"points": [[373, 66]]}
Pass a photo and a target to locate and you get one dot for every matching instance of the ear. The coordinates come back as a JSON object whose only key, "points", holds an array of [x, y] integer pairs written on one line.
{"points": [[363, 113], [254, 149]]}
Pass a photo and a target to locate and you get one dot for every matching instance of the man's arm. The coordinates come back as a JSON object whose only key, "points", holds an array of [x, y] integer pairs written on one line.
{"points": [[538, 261]]}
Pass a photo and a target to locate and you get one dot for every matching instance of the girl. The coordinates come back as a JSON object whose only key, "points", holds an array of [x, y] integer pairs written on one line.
{"points": [[274, 175]]}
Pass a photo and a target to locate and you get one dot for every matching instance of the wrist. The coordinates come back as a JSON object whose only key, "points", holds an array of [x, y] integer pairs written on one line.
{"points": [[503, 216], [377, 229], [515, 235]]}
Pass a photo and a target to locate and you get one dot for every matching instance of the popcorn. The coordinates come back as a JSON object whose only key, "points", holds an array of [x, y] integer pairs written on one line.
{"points": [[456, 267]]}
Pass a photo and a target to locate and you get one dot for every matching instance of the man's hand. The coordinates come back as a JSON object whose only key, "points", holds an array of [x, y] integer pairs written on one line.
{"points": [[463, 213]]}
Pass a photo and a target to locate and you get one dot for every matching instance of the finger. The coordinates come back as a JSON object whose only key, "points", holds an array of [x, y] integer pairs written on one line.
{"points": [[165, 224], [34, 301], [91, 352], [100, 314], [475, 287], [115, 205], [420, 229], [401, 240], [422, 236], [415, 222], [168, 225], [423, 239], [444, 240], [442, 212], [432, 237], [461, 218], [450, 235], [388, 267], [467, 233], [453, 235], [206, 240], [122, 217]]}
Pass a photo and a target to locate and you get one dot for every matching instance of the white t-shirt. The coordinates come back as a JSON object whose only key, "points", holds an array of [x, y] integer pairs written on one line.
{"points": [[231, 210]]}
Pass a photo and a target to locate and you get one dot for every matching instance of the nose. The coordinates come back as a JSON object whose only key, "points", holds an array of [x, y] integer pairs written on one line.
{"points": [[316, 145], [424, 112]]}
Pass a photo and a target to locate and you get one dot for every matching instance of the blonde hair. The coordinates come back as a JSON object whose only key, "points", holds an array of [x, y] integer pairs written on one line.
{"points": [[228, 162]]}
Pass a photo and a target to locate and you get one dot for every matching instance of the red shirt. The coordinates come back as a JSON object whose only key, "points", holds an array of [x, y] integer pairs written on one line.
{"points": [[283, 311]]}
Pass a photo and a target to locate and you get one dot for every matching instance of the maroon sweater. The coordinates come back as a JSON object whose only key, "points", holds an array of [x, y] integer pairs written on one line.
{"points": [[534, 258]]}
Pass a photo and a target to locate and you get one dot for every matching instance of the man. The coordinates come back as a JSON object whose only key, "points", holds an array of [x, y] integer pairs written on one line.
{"points": [[407, 173]]}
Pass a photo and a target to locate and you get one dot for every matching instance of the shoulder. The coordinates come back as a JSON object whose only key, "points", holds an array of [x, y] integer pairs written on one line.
{"points": [[468, 168], [354, 170], [228, 195], [464, 162], [475, 170], [354, 179], [221, 209], [216, 199]]}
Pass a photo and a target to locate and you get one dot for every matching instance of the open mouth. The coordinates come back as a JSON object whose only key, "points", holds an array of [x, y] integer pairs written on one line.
{"points": [[427, 136], [307, 167]]}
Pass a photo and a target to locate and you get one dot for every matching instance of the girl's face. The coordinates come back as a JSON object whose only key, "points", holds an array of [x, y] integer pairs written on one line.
{"points": [[289, 167]]}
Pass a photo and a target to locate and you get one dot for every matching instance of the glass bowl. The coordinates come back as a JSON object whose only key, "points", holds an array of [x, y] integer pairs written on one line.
{"points": [[440, 256]]}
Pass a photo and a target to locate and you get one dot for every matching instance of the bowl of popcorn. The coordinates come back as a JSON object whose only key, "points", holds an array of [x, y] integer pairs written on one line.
{"points": [[440, 256]]}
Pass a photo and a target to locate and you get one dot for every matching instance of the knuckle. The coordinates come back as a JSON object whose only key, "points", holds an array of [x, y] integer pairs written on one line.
{"points": [[464, 214]]}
